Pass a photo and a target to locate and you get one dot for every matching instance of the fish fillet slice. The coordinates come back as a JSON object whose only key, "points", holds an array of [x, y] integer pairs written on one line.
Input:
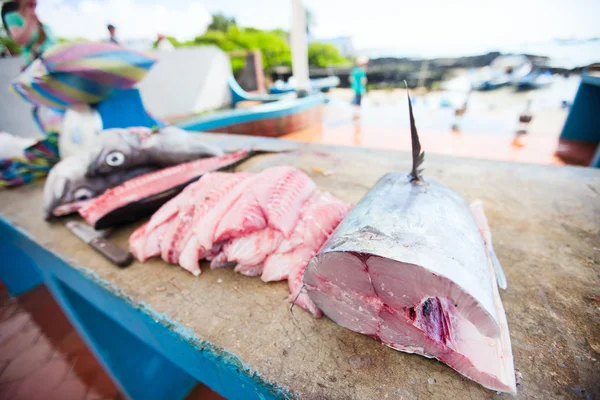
{"points": [[144, 244], [275, 200], [195, 197], [197, 242], [170, 208], [251, 250], [152, 183], [282, 205], [319, 217]]}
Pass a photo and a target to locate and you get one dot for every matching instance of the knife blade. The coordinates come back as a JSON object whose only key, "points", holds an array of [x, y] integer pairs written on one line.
{"points": [[96, 239]]}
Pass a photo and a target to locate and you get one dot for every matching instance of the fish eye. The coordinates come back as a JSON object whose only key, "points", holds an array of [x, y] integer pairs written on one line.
{"points": [[115, 158], [83, 194]]}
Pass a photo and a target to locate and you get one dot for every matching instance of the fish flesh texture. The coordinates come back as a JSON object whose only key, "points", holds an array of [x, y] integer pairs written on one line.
{"points": [[319, 217], [136, 197], [115, 156], [412, 265], [268, 224], [409, 267]]}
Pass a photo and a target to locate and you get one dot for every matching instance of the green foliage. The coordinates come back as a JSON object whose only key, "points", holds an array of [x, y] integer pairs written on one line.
{"points": [[273, 46], [10, 44], [325, 55], [221, 23], [224, 33]]}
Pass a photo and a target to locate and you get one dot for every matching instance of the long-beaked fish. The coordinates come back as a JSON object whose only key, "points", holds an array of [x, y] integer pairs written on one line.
{"points": [[115, 156]]}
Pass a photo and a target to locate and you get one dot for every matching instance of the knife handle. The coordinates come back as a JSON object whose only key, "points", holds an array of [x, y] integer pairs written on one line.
{"points": [[111, 252]]}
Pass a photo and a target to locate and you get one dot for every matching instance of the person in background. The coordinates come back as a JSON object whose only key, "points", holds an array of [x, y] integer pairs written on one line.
{"points": [[27, 30], [358, 83], [164, 44], [111, 31]]}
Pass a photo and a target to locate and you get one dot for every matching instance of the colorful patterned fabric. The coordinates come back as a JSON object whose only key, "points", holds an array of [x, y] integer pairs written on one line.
{"points": [[35, 163], [68, 74]]}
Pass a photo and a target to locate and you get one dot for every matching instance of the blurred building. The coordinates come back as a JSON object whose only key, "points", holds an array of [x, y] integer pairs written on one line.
{"points": [[343, 44]]}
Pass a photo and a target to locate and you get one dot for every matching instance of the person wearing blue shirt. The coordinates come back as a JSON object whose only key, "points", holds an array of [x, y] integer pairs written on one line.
{"points": [[358, 83]]}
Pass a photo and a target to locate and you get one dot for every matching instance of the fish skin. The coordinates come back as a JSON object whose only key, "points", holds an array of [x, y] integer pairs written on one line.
{"points": [[141, 146], [403, 229], [67, 179]]}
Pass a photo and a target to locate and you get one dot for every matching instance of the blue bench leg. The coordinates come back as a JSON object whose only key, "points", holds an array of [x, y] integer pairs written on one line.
{"points": [[139, 371]]}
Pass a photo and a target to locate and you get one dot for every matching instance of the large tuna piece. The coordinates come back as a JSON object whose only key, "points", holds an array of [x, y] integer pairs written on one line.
{"points": [[413, 266]]}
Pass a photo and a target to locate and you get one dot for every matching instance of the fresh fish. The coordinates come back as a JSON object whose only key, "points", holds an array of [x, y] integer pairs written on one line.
{"points": [[244, 220], [412, 267], [67, 187], [275, 200], [116, 156], [145, 194], [119, 149], [320, 215]]}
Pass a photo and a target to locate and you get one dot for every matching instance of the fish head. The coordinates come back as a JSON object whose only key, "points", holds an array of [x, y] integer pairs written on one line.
{"points": [[68, 187], [116, 150], [67, 184]]}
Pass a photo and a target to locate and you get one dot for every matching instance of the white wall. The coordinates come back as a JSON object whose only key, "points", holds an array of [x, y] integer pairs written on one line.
{"points": [[186, 81], [15, 113]]}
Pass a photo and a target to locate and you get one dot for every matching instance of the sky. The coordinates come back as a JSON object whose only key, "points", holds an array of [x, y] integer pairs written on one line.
{"points": [[414, 28]]}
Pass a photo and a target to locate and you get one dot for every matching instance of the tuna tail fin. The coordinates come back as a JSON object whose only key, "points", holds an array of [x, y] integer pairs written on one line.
{"points": [[418, 156]]}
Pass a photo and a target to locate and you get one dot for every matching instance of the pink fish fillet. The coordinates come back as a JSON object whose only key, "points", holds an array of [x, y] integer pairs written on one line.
{"points": [[193, 198], [250, 251], [144, 245], [320, 216], [170, 208], [152, 183], [146, 234], [197, 243], [274, 200]]}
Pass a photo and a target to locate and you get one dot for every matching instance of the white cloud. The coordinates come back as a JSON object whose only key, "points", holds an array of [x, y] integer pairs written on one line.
{"points": [[134, 19]]}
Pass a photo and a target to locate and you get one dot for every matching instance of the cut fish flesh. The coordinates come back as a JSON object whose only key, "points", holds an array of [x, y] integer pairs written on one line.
{"points": [[276, 218], [155, 184], [409, 267], [275, 199], [319, 217], [176, 219], [252, 249]]}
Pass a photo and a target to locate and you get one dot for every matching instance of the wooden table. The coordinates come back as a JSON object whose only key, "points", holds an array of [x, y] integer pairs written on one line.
{"points": [[158, 329]]}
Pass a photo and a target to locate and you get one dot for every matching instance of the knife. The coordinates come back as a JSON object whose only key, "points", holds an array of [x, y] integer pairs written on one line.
{"points": [[96, 239]]}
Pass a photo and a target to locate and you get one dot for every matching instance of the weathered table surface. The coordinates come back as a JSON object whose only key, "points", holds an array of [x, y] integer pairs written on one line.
{"points": [[545, 221]]}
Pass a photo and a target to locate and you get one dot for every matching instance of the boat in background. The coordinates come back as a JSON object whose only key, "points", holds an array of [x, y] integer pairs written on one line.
{"points": [[316, 85], [534, 80], [503, 71]]}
